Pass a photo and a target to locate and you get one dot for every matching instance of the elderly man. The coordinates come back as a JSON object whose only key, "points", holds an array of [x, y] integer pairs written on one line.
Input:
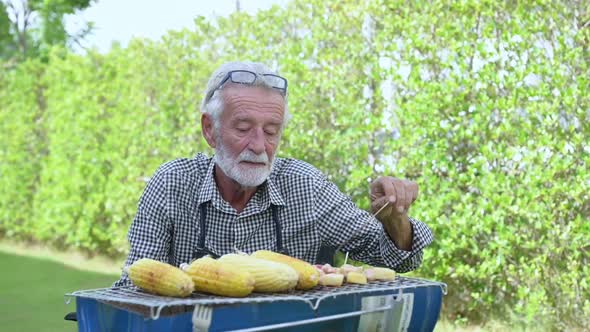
{"points": [[244, 198]]}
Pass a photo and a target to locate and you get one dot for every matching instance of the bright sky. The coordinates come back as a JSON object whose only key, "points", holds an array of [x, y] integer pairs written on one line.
{"points": [[123, 19]]}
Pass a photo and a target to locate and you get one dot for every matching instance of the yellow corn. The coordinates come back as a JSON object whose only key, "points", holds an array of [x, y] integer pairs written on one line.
{"points": [[219, 278], [309, 276], [269, 276], [160, 278]]}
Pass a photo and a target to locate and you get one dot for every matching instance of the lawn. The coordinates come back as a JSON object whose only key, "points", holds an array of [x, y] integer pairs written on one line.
{"points": [[32, 292]]}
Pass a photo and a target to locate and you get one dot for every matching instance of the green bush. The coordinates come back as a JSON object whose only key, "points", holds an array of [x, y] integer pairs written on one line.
{"points": [[484, 104], [22, 148]]}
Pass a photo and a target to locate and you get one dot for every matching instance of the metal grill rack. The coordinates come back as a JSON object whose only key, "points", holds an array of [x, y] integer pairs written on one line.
{"points": [[154, 303]]}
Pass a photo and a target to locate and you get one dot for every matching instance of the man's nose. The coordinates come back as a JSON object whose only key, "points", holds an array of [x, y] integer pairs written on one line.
{"points": [[257, 139]]}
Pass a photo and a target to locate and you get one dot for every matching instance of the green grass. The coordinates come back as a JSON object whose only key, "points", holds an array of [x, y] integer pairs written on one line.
{"points": [[32, 292]]}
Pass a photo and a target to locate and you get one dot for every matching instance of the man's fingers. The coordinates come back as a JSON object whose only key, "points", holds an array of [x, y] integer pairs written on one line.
{"points": [[383, 187], [378, 203], [376, 186], [414, 187], [389, 189], [400, 191]]}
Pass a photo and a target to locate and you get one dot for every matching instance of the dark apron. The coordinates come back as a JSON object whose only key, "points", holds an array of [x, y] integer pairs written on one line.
{"points": [[325, 255]]}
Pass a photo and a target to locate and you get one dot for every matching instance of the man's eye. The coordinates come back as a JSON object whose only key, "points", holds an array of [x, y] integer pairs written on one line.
{"points": [[271, 130], [243, 130]]}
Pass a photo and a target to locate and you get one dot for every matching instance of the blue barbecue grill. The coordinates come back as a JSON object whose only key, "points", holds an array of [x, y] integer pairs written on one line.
{"points": [[405, 304]]}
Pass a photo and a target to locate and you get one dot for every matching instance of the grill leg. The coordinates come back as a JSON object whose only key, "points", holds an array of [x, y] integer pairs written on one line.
{"points": [[71, 316]]}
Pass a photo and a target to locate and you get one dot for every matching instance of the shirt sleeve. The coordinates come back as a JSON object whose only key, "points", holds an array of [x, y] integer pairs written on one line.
{"points": [[343, 225], [149, 235]]}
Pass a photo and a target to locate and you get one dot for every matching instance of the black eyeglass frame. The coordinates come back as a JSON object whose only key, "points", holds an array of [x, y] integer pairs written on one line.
{"points": [[229, 76]]}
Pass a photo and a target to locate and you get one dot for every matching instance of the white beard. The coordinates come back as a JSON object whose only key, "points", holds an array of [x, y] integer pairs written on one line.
{"points": [[244, 175]]}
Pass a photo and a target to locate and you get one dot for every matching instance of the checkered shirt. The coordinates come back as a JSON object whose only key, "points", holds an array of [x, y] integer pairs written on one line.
{"points": [[311, 209]]}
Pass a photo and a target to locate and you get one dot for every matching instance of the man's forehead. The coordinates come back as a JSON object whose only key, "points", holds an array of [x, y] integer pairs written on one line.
{"points": [[231, 88], [254, 96]]}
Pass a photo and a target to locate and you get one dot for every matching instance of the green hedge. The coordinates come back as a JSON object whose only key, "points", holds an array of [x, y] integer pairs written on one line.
{"points": [[484, 104]]}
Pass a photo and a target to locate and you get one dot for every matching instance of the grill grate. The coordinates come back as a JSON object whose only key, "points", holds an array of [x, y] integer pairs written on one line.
{"points": [[131, 295]]}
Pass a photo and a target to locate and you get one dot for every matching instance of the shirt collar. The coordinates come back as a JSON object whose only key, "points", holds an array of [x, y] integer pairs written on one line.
{"points": [[275, 195], [208, 186]]}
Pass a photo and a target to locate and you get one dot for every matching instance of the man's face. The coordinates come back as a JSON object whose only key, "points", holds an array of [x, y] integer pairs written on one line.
{"points": [[249, 133]]}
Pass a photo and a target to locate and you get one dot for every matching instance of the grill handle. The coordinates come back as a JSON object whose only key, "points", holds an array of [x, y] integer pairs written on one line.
{"points": [[315, 320]]}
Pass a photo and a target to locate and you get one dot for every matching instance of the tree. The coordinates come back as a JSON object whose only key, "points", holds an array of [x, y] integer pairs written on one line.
{"points": [[29, 27]]}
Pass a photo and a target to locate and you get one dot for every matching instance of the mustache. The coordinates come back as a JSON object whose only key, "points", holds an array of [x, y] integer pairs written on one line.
{"points": [[250, 156]]}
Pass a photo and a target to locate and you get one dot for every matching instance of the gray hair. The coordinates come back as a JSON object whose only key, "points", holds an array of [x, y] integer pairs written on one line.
{"points": [[215, 106]]}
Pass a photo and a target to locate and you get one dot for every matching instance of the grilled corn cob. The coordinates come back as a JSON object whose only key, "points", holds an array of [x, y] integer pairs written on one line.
{"points": [[219, 278], [308, 274], [160, 278], [269, 276]]}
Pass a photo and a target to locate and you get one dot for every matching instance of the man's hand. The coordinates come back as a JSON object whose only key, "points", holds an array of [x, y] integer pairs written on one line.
{"points": [[400, 194]]}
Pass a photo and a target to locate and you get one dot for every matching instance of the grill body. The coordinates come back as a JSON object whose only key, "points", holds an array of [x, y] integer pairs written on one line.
{"points": [[404, 304]]}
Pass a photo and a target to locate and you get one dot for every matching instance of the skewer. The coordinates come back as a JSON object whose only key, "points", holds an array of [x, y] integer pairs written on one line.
{"points": [[374, 215]]}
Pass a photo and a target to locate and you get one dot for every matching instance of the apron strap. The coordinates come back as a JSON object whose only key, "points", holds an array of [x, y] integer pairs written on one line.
{"points": [[278, 229], [326, 255], [202, 226], [201, 250]]}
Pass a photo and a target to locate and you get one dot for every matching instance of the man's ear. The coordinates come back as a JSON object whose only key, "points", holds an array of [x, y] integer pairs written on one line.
{"points": [[208, 129]]}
